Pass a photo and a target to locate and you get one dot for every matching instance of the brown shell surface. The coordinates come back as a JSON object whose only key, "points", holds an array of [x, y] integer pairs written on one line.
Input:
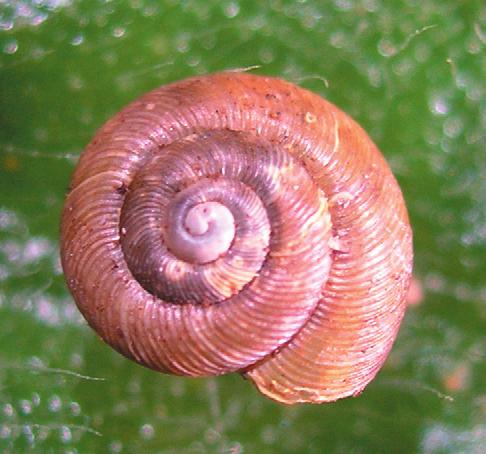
{"points": [[307, 301]]}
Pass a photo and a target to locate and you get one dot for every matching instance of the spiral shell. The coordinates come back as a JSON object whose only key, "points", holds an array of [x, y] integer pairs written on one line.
{"points": [[234, 222]]}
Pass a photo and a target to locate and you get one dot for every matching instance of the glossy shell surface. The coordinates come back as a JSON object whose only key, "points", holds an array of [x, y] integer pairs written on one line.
{"points": [[239, 223]]}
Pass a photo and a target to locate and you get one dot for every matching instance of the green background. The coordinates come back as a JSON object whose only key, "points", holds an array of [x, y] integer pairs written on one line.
{"points": [[411, 72]]}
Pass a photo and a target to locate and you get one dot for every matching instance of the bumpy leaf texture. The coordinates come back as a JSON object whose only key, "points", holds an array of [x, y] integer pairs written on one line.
{"points": [[412, 73]]}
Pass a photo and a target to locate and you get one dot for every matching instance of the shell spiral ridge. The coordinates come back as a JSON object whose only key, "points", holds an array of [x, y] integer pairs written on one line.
{"points": [[235, 222]]}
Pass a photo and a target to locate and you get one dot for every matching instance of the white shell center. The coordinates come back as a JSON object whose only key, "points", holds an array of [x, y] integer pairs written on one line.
{"points": [[212, 228]]}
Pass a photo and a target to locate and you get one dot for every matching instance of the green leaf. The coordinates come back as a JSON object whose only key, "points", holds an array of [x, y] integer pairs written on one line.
{"points": [[412, 73]]}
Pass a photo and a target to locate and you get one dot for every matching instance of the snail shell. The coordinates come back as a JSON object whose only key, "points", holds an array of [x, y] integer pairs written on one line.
{"points": [[234, 222]]}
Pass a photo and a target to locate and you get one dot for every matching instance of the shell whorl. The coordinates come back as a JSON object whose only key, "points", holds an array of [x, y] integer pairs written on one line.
{"points": [[240, 223]]}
